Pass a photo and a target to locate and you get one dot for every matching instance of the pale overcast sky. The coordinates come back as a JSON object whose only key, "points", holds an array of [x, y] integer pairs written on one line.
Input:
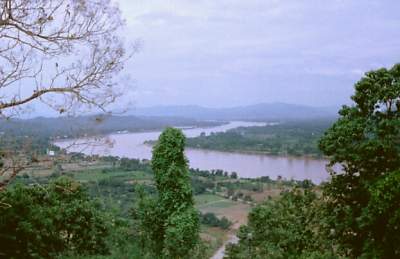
{"points": [[238, 52]]}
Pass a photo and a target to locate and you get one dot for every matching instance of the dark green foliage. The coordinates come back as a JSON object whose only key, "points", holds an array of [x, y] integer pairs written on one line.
{"points": [[181, 232], [251, 185], [382, 216], [210, 219], [129, 164], [44, 221], [283, 228], [362, 200], [288, 138], [199, 186], [169, 223], [150, 223]]}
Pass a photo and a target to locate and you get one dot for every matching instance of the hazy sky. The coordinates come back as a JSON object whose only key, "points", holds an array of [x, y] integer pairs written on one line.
{"points": [[237, 52]]}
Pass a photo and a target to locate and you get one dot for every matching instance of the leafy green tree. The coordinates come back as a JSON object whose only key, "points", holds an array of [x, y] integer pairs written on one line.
{"points": [[211, 219], [45, 221], [284, 228], [170, 223], [363, 206]]}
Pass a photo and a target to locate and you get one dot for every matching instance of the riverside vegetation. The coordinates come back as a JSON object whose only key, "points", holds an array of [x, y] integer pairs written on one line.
{"points": [[294, 137]]}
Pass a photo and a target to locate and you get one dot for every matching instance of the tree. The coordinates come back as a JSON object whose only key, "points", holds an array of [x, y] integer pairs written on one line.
{"points": [[361, 207], [170, 222], [284, 228], [234, 175], [43, 44], [46, 221], [65, 53]]}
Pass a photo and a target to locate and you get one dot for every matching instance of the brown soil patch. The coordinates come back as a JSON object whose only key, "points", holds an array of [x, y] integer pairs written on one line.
{"points": [[261, 196], [237, 214]]}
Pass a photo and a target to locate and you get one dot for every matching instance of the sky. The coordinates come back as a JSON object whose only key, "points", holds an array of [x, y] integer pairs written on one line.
{"points": [[221, 53]]}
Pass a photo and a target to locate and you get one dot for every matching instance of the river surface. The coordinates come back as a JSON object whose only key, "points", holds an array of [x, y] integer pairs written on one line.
{"points": [[246, 165]]}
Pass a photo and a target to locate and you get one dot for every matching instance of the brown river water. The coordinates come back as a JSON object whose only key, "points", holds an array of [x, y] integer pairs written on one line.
{"points": [[246, 165]]}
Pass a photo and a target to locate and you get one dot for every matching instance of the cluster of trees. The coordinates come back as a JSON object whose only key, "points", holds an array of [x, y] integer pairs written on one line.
{"points": [[362, 201], [239, 195], [44, 221], [358, 213], [284, 228], [287, 138], [210, 219]]}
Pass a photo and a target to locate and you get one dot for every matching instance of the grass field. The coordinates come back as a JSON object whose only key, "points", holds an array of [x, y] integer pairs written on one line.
{"points": [[203, 199], [97, 175], [212, 203]]}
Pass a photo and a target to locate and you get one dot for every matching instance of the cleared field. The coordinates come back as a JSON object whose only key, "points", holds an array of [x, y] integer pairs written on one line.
{"points": [[218, 205], [203, 199], [222, 207], [213, 203], [261, 196]]}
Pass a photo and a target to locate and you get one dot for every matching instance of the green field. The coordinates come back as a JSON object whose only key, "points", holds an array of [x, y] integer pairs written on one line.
{"points": [[209, 202], [98, 175]]}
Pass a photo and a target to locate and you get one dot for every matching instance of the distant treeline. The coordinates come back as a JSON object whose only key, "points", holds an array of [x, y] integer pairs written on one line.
{"points": [[91, 125], [288, 138]]}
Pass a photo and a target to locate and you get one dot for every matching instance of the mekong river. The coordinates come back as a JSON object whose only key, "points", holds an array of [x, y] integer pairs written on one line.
{"points": [[246, 165]]}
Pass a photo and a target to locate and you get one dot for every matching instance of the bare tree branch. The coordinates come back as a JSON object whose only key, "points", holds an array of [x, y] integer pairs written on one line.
{"points": [[64, 53]]}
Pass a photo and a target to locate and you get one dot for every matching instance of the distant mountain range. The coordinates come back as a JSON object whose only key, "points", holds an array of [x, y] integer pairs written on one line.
{"points": [[262, 111]]}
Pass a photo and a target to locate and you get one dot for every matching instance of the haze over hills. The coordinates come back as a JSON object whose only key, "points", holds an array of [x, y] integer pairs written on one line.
{"points": [[92, 125], [262, 111]]}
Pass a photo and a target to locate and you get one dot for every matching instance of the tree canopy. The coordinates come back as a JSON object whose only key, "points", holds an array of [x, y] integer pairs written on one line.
{"points": [[284, 228], [170, 223], [358, 213], [46, 221], [361, 200]]}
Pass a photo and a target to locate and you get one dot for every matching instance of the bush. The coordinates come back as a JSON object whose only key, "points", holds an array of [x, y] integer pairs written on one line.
{"points": [[283, 228], [210, 219], [44, 221]]}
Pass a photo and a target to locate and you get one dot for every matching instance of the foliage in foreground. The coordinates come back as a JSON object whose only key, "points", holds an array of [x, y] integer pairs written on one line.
{"points": [[45, 221], [363, 205], [284, 228], [169, 224], [358, 215]]}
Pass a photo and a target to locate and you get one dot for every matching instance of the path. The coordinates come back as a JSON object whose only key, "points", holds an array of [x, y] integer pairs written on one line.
{"points": [[233, 239]]}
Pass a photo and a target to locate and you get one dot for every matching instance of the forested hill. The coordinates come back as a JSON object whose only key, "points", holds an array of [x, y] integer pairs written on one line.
{"points": [[258, 112], [91, 125]]}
